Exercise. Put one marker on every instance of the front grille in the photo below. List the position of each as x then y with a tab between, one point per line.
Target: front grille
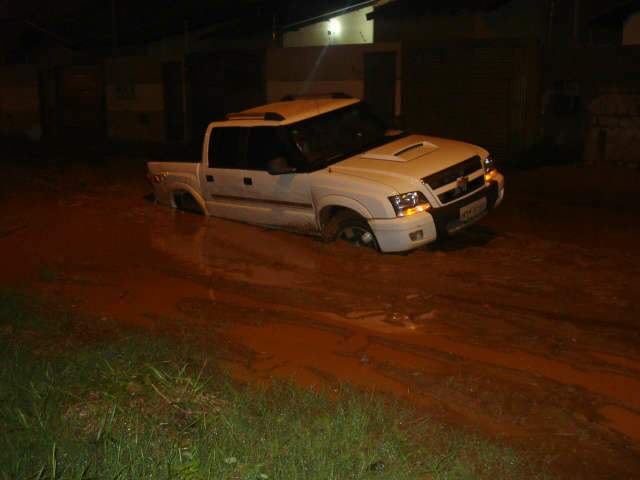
447	218
457	192
451	174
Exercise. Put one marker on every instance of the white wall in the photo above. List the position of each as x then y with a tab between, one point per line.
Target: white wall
631	31
312	70
354	29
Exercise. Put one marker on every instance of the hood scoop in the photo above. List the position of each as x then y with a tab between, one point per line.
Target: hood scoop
404	154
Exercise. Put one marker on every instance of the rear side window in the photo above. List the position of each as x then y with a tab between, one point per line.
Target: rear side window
227	147
264	146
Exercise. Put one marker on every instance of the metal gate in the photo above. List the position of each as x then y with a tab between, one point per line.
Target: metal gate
473	91
224	82
380	83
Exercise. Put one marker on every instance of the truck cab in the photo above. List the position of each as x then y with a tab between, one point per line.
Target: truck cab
328	166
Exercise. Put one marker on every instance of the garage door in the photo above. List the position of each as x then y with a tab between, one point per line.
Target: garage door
471	91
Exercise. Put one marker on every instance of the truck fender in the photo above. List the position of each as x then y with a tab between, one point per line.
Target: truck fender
340	201
179	186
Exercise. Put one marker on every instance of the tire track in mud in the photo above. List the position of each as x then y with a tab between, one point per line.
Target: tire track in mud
507	357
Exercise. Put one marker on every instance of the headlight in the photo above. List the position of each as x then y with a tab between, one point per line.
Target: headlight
488	165
409	203
489	169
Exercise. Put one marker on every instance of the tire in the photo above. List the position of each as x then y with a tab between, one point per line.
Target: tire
352	228
185	201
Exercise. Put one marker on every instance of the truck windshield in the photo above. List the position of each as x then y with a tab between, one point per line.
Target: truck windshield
326	139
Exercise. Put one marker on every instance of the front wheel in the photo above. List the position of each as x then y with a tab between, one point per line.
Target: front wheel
351	228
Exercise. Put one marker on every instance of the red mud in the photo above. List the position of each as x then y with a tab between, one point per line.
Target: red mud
524	328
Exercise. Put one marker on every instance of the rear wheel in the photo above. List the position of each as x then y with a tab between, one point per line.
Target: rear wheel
185	201
352	228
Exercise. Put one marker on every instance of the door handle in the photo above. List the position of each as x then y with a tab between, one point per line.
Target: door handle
248	181
209	178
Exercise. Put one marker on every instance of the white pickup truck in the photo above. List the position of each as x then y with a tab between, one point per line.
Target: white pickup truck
327	166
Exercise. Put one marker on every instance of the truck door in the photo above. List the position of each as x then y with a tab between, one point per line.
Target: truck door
225	172
275	200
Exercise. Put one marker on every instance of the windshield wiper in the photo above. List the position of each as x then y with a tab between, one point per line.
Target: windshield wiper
325	162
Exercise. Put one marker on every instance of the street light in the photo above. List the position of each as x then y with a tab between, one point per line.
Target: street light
334	27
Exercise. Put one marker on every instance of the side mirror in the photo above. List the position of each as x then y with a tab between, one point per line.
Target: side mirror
280	170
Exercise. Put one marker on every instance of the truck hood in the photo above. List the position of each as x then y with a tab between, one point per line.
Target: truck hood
401	162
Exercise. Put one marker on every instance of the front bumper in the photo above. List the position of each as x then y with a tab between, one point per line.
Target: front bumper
447	218
402	233
394	234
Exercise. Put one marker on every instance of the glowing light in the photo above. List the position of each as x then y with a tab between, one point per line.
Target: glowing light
335	27
489	176
414	210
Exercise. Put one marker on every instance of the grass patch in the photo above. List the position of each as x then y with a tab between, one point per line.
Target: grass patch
146	408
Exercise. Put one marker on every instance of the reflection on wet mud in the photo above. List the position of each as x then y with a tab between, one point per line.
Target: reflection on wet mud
206	246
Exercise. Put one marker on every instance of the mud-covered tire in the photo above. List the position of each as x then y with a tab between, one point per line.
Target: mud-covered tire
185	201
352	228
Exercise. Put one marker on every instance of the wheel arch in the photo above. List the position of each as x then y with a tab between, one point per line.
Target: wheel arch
179	188
330	205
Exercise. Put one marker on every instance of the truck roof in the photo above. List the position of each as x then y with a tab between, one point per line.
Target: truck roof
285	112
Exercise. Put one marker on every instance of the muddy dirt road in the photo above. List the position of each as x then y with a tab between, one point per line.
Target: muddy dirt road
523	328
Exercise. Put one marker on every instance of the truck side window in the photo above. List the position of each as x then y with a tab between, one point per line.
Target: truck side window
227	147
265	147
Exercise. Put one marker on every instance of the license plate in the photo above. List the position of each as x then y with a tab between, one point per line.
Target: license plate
473	209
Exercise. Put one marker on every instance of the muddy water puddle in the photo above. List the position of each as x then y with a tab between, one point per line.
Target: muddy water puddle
514	336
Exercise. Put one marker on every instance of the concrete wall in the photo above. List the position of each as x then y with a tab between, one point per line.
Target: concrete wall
135	99
311	70
19	102
352	28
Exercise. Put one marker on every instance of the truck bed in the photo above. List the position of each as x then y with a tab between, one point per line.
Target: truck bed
188	168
